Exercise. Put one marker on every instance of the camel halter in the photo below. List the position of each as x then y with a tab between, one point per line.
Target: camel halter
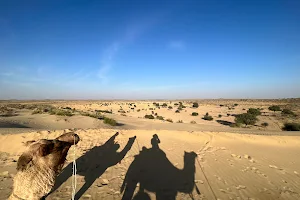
74	183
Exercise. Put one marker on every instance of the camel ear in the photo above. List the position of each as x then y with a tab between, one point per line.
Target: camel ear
23	161
29	142
45	149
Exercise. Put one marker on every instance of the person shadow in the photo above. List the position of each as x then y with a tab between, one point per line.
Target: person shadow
93	163
155	173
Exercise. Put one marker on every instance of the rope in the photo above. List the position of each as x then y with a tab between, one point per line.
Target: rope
74	183
207	180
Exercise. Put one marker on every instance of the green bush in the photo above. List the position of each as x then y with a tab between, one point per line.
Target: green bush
149	116
193	122
110	121
176	104
160	117
264	124
235	104
195	105
63	112
170	107
288	112
246	118
179	121
164	105
195	114
207	117
254	111
169	120
274	108
291	127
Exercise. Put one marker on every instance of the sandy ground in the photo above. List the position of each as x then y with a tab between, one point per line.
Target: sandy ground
240	163
237	166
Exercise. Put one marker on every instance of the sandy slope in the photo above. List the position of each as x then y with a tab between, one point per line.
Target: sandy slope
237	166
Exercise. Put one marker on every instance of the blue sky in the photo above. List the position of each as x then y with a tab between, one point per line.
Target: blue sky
149	49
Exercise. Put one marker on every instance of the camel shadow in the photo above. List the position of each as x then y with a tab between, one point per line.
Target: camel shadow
155	173
93	163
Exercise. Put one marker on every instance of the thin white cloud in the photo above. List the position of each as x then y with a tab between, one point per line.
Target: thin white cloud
177	45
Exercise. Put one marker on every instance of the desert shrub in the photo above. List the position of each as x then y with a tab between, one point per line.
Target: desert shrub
164	105
219	116
183	106
195	114
264	124
36	111
152	112
235	104
160	117
254	111
288	112
149	116
170	107
179	108
228	114
176	104
274	108
104	111
150	108
193	122
195	105
110	121
221	105
169	120
207	117
177	111
122	114
291	127
63	112
179	121
138	110
244	108
68	108
245	118
155	114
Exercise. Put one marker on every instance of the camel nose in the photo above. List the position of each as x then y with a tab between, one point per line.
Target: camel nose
76	138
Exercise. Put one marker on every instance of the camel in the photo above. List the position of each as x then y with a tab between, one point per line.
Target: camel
39	165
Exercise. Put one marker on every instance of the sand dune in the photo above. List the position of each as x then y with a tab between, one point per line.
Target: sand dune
237	166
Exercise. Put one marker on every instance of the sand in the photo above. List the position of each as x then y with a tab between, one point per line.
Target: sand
237	166
231	163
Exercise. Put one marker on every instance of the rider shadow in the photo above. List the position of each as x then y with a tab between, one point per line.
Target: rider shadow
155	173
93	163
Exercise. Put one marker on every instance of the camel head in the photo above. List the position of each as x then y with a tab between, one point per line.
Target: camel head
47	153
189	157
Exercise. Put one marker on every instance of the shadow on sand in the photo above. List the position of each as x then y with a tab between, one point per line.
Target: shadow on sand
223	122
155	173
93	163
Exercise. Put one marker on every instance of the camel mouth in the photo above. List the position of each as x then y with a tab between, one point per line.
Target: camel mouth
70	137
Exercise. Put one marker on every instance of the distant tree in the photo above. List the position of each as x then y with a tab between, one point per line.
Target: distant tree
288	112
207	117
195	105
274	108
254	111
291	127
246	118
164	105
